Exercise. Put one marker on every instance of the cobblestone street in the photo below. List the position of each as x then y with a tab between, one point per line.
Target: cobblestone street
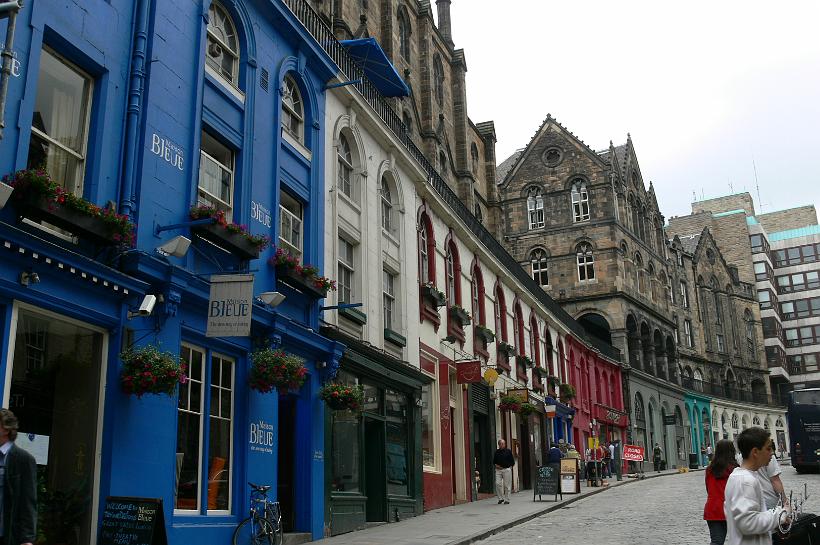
661	511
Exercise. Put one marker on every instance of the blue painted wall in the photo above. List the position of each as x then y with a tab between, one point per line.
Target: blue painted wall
172	98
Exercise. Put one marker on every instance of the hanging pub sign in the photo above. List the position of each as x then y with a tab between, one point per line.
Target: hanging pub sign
669	420
230	305
522	393
468	371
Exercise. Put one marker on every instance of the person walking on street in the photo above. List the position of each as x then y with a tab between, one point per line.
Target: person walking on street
717	474
611	458
709	452
504	461
657	456
554	455
18	479
702	455
748	522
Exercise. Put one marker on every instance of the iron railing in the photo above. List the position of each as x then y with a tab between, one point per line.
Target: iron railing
351	71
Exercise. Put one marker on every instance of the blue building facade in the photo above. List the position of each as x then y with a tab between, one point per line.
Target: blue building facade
152	108
698	407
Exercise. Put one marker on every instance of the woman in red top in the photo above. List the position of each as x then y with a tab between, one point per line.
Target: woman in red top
722	465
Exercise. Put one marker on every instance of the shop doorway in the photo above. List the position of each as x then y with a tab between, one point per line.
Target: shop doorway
526	458
483	451
286	467
55	391
375	476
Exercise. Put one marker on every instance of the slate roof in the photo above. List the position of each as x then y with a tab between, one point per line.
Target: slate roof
505	167
690	243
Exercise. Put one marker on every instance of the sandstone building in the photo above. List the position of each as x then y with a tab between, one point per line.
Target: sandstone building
590	232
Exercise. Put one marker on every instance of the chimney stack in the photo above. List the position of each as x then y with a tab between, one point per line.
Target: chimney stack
444	20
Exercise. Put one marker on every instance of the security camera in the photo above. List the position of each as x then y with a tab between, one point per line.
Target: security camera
145	308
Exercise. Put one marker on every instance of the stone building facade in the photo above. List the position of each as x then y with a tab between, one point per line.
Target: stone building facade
587	228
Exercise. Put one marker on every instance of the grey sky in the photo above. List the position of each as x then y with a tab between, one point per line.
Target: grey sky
704	88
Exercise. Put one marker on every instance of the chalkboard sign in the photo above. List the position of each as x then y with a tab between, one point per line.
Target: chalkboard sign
132	521
547	481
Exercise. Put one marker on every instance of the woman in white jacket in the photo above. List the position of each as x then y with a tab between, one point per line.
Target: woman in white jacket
747	519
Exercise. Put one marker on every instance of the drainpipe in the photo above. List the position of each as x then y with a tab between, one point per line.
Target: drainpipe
134	107
12	8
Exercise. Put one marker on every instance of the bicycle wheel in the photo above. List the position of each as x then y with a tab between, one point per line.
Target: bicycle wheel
258	533
274	517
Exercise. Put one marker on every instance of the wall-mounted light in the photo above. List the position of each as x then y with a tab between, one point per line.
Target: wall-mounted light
5	193
272	298
29	277
176	247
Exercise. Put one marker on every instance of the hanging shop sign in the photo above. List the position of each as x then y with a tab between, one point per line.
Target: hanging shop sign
610	415
230	305
523	393
491	375
468	372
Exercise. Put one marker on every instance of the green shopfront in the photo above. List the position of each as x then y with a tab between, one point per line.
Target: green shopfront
374	468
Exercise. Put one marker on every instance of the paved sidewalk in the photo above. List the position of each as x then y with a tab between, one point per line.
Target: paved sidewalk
469	522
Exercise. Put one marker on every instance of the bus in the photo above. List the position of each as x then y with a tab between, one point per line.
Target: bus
804	428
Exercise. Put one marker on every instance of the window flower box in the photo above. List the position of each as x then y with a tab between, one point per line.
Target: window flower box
394	337
354	315
484	333
432	294
230	237
304	278
521	359
459	315
541	372
552	381
506	348
37	197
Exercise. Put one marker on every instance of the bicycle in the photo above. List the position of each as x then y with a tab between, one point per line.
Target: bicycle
264	525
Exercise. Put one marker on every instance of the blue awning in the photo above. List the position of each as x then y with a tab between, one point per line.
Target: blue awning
377	67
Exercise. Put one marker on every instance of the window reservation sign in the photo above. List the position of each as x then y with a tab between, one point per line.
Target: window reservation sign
230	305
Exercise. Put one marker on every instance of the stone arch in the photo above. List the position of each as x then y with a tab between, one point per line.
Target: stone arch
646	345
729	383
633	341
744	422
660	354
672	360
597	326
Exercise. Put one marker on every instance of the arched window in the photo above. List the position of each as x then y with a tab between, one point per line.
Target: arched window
293	110
345	165
538	264
477	213
442	163
518	336
586	262
222	53
453	272
474	157
404	34
580	201
535	344
386	205
438	79
748	320
500	311
427	251
408	122
548	343
639	273
477	295
535	208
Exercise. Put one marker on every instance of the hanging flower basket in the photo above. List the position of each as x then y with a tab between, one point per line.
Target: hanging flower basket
432	294
304	278
37	197
146	370
342	397
276	369
567	392
541	372
526	409
510	403
552	381
229	236
484	333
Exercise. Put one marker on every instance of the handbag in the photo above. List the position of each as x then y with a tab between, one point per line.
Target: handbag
805	531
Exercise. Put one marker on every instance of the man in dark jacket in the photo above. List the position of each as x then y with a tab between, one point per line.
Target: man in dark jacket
503	460
19	481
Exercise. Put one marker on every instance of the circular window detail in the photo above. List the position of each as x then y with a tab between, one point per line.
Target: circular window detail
552	157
